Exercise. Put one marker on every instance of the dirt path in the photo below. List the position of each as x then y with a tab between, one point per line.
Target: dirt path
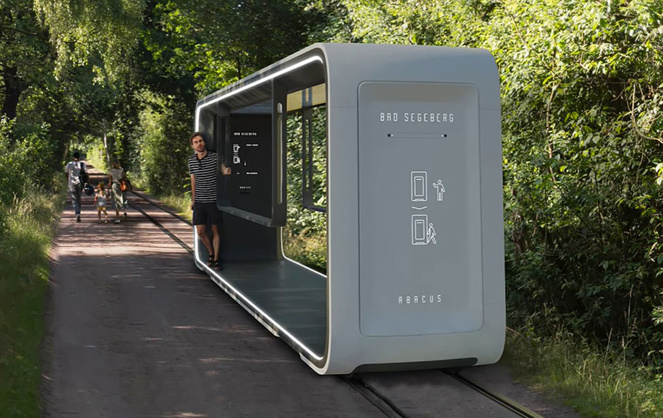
137	331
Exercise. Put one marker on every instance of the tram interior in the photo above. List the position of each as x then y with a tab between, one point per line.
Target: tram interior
274	235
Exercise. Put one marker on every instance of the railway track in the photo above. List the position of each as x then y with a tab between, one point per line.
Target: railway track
364	386
498	398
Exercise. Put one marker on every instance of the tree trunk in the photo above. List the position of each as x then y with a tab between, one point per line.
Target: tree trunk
12	91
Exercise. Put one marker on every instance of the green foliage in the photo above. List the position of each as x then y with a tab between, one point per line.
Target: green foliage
328	21
23	50
163	132
180	202
222	41
12	177
38	154
100	33
582	206
307	248
24	271
422	22
305	235
30	173
95	154
594	384
27	159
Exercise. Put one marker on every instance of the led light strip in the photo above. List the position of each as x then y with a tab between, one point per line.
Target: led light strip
251	304
248	86
195	234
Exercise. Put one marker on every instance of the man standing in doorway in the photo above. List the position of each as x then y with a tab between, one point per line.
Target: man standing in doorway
202	168
74	171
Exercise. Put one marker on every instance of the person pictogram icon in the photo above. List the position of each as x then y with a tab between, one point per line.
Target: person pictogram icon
430	236
440	190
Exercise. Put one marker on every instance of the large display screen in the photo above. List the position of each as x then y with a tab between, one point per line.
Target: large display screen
419	209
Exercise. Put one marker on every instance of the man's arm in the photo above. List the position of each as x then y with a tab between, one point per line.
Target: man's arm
193	190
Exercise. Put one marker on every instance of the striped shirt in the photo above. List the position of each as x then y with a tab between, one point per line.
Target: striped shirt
205	175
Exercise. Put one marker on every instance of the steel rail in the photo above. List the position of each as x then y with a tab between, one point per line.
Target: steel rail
158	224
380	401
502	400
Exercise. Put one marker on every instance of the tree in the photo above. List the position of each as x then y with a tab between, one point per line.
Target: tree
222	41
23	51
99	33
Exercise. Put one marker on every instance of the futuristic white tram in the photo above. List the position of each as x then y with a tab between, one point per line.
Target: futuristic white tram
413	201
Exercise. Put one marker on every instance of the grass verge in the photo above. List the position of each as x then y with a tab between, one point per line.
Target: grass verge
310	250
594	384
24	274
180	204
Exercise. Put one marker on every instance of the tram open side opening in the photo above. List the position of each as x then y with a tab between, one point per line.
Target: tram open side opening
274	235
304	237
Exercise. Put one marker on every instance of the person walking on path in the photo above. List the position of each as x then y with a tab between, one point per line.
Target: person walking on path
75	171
100	201
119	197
202	168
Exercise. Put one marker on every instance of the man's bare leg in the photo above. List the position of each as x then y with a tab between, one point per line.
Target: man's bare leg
201	229
217	241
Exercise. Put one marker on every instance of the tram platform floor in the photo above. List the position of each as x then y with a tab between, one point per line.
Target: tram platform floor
290	294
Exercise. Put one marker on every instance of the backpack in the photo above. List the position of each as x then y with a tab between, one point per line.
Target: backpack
83	176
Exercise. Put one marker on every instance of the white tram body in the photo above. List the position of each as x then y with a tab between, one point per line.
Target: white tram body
415	253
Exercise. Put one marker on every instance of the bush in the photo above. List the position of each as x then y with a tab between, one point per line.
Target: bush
27	159
164	134
305	234
12	177
37	154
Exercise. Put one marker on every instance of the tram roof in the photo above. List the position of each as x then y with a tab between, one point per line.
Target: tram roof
341	63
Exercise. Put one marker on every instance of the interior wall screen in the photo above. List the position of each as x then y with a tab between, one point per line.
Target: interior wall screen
250	157
419	209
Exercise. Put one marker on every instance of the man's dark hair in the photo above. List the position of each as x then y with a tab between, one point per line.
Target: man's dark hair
77	155
195	134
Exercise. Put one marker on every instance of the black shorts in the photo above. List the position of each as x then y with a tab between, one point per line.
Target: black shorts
202	212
